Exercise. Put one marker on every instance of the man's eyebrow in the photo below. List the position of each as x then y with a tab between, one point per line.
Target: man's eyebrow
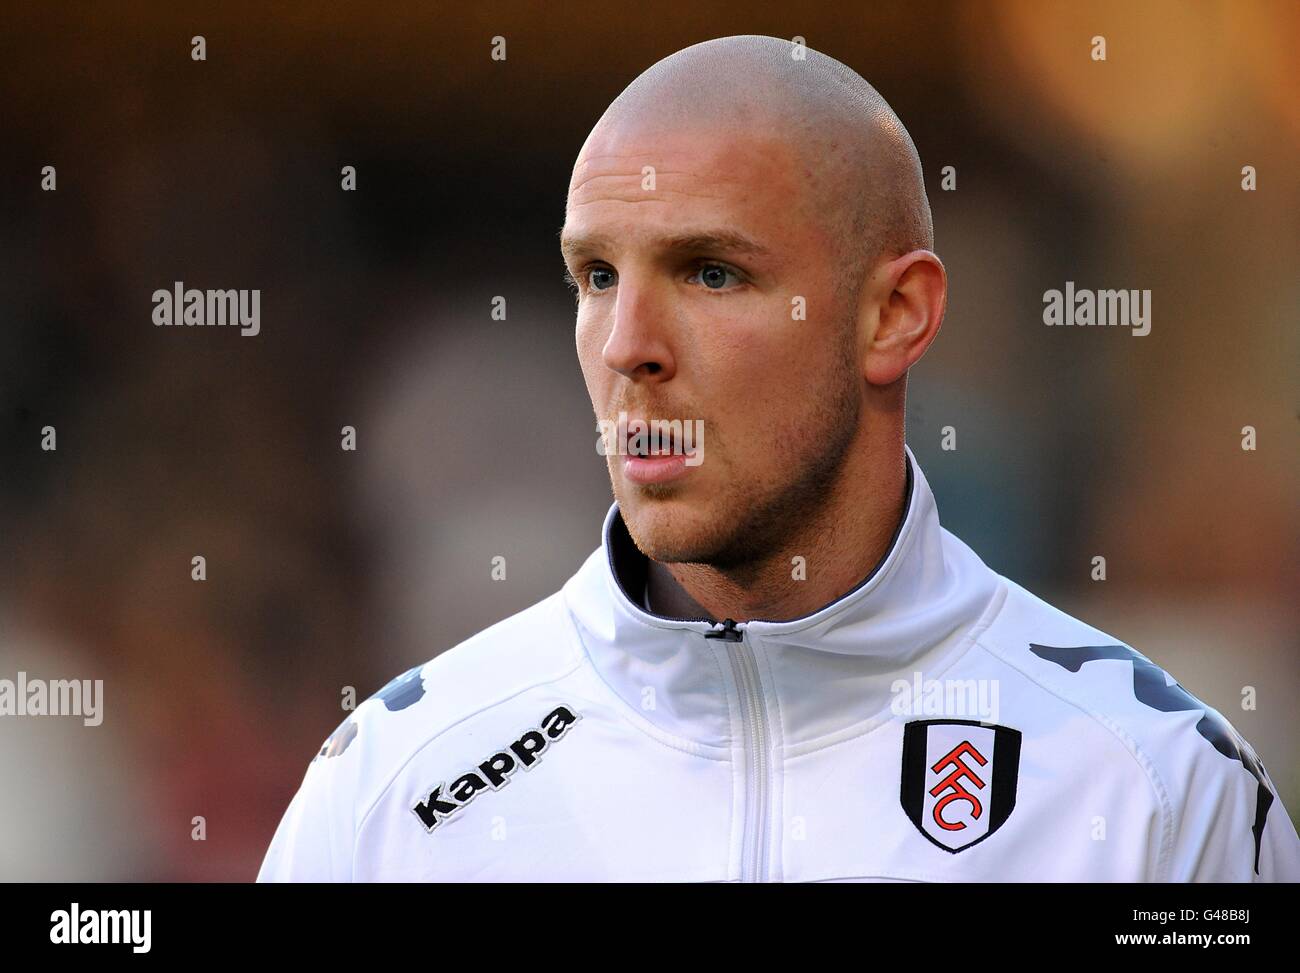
705	241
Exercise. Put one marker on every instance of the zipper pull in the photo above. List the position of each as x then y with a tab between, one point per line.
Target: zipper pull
727	631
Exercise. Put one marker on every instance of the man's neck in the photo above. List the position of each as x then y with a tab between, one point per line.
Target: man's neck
839	547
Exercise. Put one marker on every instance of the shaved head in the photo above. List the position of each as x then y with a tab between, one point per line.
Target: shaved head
861	173
750	241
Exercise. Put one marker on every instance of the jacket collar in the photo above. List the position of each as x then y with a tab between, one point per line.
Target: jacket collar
820	674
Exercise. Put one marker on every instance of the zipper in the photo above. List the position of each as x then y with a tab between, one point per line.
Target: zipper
726	630
757	748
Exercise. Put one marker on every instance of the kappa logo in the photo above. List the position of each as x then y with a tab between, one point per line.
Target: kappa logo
494	772
959	779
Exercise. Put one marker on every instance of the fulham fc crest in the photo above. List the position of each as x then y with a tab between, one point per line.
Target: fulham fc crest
959	779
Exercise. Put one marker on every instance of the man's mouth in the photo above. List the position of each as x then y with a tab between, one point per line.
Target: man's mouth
654	452
655	442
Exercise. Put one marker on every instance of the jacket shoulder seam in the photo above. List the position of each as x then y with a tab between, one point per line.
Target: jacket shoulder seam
397	772
1126	739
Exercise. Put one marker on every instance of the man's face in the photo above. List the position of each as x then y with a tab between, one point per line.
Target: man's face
756	340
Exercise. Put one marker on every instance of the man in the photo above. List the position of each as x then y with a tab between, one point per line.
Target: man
723	691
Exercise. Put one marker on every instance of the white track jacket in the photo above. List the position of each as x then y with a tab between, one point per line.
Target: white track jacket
938	723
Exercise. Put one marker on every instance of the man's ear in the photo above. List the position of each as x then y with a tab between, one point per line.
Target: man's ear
907	297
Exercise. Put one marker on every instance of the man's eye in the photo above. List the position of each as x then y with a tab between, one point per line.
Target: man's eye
600	278
714	276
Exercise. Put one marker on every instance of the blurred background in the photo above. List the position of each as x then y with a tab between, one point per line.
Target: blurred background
329	568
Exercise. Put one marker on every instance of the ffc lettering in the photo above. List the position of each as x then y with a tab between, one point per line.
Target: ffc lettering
953	780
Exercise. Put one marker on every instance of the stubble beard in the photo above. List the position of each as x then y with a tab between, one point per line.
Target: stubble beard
752	528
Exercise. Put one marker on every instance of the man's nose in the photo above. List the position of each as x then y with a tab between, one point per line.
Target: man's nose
639	342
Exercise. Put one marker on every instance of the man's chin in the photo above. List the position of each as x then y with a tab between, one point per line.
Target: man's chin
669	527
